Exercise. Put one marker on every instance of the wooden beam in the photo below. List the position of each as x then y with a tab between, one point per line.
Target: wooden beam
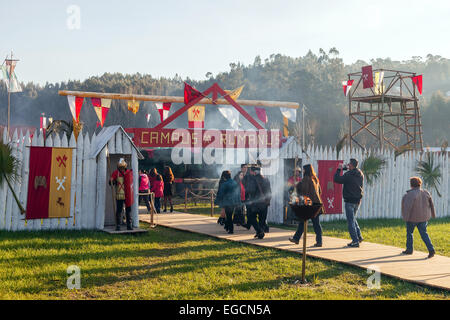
174	99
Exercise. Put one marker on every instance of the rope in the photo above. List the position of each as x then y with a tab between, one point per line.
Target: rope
205	197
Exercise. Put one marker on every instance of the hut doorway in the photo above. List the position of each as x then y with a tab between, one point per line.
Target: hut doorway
113	159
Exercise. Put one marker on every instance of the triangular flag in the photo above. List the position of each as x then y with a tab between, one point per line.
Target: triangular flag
163	109
346	85
75	104
196	117
417	80
232	115
98	124
289	113
133	106
234	94
261	113
190	93
379	87
101	107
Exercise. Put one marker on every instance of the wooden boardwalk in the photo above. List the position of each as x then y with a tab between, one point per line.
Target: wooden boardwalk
388	260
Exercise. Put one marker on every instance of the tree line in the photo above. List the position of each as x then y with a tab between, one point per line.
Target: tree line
313	80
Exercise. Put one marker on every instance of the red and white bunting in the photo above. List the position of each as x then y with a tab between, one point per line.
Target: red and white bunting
163	109
101	107
346	85
75	104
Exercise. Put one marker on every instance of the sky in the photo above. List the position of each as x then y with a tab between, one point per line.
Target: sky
60	40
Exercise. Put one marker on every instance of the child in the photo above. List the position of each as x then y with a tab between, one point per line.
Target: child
158	189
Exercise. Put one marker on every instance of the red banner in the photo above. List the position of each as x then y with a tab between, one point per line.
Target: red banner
331	192
367	77
39	182
189	138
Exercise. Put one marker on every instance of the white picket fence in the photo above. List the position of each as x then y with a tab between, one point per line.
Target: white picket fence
383	198
88	187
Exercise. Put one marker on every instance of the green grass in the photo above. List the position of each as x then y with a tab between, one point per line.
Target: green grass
170	264
384	231
392	232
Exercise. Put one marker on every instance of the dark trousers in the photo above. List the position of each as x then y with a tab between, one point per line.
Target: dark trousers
119	205
252	213
262	217
239	218
317	229
158	204
229	218
145	198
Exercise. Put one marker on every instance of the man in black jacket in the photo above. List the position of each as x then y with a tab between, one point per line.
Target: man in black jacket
258	191
353	182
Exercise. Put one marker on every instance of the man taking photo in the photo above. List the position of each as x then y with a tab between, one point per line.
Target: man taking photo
353	181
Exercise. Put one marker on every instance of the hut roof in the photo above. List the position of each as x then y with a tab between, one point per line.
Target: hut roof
105	135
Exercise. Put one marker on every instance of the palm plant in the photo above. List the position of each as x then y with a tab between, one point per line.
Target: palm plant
340	145
431	175
9	166
371	167
60	126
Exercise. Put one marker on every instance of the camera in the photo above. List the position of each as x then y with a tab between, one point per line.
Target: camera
344	168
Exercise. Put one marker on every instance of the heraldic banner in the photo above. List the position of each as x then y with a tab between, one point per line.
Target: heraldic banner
331	192
49	183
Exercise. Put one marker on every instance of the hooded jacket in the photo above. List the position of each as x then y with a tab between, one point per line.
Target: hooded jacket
353	181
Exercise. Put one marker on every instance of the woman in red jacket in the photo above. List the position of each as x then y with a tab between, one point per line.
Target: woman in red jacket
158	190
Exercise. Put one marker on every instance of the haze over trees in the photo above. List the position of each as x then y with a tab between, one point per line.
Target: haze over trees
313	80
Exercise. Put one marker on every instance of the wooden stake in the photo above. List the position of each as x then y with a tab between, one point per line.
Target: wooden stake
305	229
185	198
212	203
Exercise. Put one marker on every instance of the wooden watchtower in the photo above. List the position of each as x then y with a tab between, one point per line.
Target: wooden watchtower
386	114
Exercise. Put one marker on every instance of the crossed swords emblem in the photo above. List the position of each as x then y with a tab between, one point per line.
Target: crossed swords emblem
330	202
61	183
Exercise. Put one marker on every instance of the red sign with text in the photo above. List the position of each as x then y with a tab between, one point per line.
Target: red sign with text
189	138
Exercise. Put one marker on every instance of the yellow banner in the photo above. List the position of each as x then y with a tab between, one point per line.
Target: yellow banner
196	113
285	127
378	82
60	181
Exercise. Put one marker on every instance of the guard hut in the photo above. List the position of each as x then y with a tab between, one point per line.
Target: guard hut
111	144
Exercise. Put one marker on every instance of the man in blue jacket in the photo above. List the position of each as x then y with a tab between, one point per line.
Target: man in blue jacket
353	181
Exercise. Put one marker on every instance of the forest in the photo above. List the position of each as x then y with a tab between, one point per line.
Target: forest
313	80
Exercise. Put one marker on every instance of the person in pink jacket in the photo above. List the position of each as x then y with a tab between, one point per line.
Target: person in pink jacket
417	209
157	187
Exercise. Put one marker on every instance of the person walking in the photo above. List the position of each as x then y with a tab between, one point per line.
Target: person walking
158	189
353	181
239	214
228	198
168	179
310	188
259	195
144	188
417	209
